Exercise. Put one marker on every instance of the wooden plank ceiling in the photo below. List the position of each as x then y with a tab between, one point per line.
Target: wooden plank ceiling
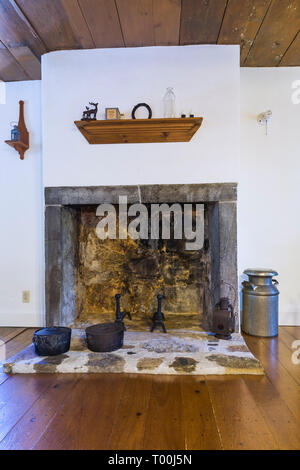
268	31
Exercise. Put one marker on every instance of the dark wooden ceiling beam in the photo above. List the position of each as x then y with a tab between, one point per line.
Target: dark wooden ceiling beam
103	22
28	61
166	22
241	23
267	30
27	22
10	70
150	22
201	21
78	23
56	23
15	30
291	56
136	18
278	30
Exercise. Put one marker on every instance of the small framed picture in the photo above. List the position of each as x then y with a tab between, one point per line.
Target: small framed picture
112	113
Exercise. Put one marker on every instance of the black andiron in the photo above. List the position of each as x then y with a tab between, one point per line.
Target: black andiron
158	318
120	315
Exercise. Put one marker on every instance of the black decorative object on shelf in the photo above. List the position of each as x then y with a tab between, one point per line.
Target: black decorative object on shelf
120	315
141	105
90	114
158	318
52	341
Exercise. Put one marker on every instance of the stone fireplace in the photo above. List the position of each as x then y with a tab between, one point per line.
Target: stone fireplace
84	273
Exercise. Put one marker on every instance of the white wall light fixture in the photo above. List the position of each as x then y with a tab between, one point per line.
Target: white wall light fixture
264	118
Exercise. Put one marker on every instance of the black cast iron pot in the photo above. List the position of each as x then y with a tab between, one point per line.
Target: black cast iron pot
105	337
52	341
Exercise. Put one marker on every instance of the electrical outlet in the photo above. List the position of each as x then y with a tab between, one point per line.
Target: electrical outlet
26	296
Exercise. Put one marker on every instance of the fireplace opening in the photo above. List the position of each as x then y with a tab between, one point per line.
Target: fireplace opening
139	270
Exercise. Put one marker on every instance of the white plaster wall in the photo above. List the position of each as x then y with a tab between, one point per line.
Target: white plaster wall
21	209
205	81
269	183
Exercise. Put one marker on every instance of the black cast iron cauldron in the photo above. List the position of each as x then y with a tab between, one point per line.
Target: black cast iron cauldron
105	337
52	341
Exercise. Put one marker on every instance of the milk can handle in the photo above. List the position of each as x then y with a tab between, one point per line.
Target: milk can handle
249	284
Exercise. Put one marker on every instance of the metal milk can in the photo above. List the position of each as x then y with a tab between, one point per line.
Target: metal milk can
260	303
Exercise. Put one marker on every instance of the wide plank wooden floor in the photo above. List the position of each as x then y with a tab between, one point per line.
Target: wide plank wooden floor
119	411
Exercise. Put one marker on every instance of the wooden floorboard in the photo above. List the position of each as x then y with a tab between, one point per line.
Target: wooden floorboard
3	377
201	430
286	337
15	340
239	420
30	427
283	382
20	342
292	330
8	333
283	354
164	428
85	420
283	425
119	411
17	395
129	426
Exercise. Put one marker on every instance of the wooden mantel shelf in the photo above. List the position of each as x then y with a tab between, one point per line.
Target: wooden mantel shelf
132	131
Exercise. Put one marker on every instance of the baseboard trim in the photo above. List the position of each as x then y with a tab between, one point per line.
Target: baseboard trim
289	319
20	320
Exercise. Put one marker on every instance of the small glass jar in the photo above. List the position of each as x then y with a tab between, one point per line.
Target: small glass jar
14	133
169	103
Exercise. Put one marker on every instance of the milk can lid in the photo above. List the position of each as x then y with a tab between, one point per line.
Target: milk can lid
262	272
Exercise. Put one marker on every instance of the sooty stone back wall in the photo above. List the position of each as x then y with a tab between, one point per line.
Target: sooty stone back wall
139	270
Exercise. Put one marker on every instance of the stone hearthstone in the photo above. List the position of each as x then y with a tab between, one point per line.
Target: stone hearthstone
177	352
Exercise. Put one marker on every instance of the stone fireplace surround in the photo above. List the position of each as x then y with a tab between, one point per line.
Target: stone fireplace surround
61	234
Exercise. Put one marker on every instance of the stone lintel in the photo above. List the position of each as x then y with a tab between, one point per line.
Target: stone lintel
152	193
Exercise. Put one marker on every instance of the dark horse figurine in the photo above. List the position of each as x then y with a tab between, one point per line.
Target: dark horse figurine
90	114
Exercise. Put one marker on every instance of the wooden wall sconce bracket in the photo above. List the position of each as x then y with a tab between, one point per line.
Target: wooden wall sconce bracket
22	144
